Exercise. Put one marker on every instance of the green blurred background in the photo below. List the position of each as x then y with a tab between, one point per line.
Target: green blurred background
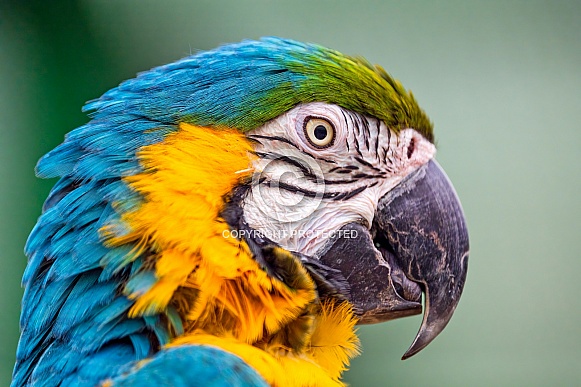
500	79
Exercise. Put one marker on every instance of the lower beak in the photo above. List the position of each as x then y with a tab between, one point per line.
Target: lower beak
418	243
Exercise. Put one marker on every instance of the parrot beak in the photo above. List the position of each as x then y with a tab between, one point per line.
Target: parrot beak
422	224
418	243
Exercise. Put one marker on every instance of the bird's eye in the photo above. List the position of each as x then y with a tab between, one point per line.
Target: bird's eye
319	132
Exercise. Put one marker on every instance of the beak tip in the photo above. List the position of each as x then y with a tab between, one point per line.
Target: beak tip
423	338
414	349
409	353
437	315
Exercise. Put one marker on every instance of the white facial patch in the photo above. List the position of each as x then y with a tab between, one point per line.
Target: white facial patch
302	193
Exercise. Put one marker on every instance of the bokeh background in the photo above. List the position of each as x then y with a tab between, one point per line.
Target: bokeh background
500	79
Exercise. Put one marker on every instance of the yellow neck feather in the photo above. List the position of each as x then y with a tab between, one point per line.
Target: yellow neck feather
221	293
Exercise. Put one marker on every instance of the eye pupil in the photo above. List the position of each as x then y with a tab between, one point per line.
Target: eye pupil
320	132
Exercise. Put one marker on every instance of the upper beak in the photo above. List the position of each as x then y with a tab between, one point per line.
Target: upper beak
423	224
418	243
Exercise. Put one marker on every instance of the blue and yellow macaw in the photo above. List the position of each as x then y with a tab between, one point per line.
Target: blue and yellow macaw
227	220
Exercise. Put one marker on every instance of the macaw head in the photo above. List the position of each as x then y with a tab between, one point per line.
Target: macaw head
261	192
366	209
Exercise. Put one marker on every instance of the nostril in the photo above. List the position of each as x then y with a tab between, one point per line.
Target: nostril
411	148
